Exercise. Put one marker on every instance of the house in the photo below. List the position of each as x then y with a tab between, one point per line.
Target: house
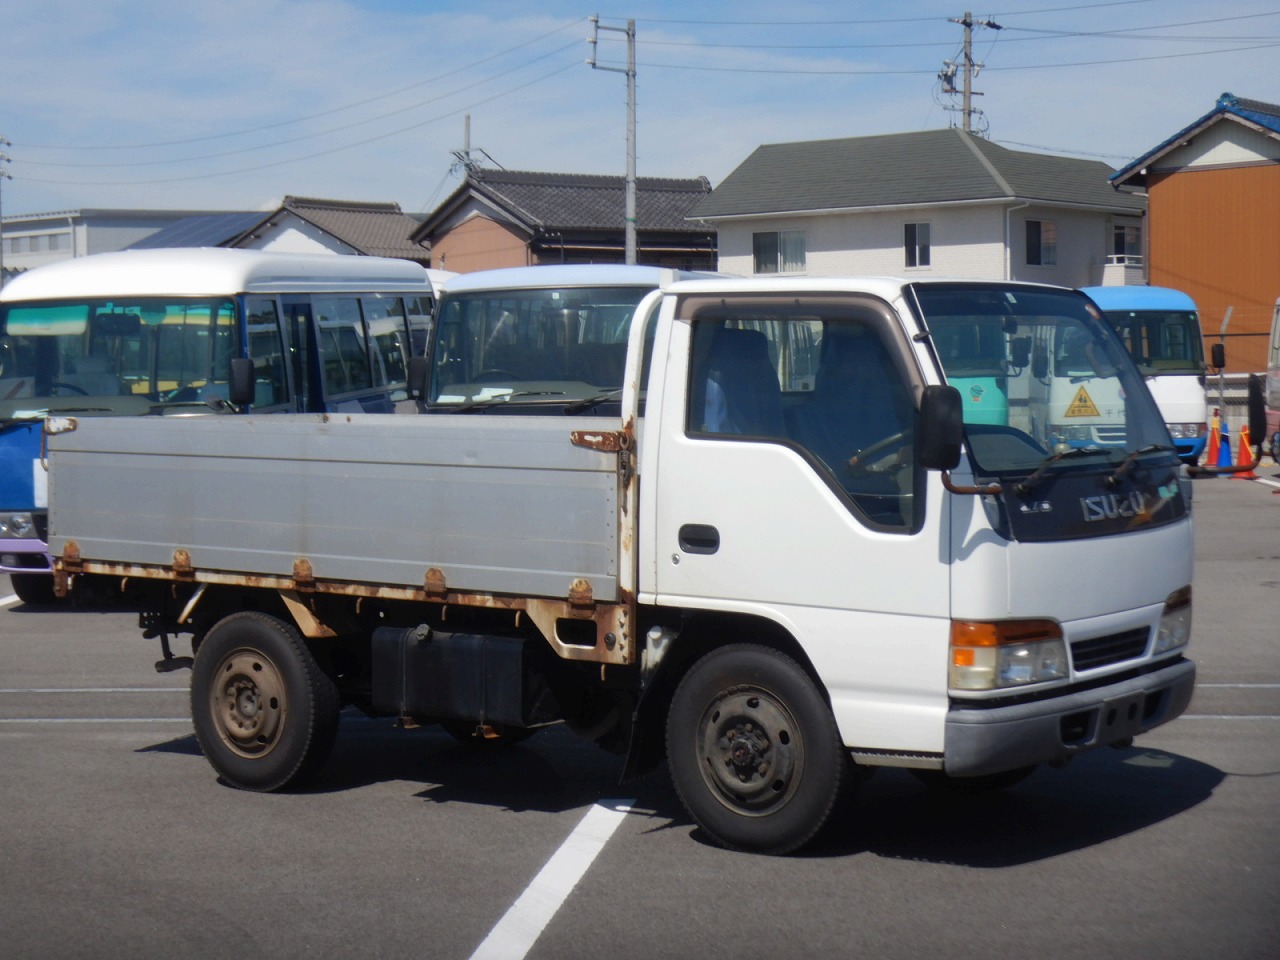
505	218
305	225
1213	221
938	202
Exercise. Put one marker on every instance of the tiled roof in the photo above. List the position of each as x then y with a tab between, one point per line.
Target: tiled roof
928	167
1264	115
375	229
567	201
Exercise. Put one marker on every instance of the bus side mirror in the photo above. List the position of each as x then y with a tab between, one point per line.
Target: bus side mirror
419	369
1040	365
1020	351
1217	356
941	428
241	388
1257	409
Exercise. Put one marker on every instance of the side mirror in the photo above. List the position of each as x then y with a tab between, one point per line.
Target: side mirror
1217	356
419	370
1020	351
241	388
1040	365
941	428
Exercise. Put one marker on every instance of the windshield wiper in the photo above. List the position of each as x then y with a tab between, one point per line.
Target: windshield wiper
588	403
503	398
1128	462
1024	487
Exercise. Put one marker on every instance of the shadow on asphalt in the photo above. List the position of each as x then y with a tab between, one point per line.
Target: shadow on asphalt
1100	796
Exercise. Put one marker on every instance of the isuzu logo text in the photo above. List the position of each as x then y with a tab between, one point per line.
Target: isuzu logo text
1112	506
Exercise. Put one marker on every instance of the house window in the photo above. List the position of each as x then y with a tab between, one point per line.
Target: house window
915	244
1042	243
1126	244
781	251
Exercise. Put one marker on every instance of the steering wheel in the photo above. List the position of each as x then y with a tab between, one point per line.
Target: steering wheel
492	375
81	391
869	460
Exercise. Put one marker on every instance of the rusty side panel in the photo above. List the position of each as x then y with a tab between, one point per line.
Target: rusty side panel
614	643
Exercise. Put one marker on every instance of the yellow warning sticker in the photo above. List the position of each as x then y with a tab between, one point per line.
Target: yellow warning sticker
1082	405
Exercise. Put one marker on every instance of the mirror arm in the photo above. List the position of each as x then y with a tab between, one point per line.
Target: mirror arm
988	489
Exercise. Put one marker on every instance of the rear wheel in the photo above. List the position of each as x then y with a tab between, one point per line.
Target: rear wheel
754	751
33	587
264	712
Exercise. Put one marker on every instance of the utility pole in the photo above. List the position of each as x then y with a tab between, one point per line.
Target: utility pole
630	71
971	68
4	175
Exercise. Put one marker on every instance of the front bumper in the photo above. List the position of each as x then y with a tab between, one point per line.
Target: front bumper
24	556
986	740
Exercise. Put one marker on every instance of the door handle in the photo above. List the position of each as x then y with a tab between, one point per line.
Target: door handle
699	538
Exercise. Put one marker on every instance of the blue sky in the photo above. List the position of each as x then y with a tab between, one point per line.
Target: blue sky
232	104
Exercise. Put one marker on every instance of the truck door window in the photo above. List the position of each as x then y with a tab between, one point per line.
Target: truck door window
829	382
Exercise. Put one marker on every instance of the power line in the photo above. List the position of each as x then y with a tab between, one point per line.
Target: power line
323	113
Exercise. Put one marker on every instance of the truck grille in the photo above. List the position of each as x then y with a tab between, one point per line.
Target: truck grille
1113	648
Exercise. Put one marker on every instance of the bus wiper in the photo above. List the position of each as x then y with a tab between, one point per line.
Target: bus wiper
588	403
1024	487
504	398
1127	464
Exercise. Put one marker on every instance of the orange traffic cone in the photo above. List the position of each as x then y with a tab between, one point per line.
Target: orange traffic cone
1215	441
1245	456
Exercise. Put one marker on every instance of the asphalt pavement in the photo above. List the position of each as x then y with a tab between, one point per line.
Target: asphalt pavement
118	841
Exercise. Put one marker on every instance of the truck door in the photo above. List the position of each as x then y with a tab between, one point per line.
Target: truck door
797	498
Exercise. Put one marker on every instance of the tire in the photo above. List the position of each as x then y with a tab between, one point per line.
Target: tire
264	712
34	588
754	751
938	780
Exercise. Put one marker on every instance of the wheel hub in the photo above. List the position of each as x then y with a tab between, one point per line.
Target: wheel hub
751	753
248	703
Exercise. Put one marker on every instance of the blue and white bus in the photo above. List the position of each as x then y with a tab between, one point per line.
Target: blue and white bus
180	331
1161	330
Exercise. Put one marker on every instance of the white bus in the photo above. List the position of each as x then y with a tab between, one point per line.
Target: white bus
192	330
1161	330
1272	388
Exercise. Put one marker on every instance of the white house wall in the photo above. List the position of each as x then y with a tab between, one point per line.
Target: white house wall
295	235
965	242
1225	143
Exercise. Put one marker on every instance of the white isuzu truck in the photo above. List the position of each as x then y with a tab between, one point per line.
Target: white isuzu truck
746	525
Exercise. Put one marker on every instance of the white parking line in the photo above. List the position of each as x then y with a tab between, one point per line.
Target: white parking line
95	720
9	600
521	925
95	689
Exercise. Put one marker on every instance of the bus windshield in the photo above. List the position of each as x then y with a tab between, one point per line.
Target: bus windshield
116	355
554	345
1041	376
1161	342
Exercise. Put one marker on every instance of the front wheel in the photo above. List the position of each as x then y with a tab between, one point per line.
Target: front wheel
33	588
264	712
754	751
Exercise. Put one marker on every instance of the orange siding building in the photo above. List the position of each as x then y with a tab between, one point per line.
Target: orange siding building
1213	221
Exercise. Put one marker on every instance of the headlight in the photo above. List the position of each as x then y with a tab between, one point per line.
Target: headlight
1082	434
1005	653
1186	431
18	526
1175	622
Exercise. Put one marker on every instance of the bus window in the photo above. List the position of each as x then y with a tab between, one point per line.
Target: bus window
344	353
271	386
388	335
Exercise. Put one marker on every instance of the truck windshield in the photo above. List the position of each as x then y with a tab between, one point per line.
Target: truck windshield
531	345
1042	376
113	356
